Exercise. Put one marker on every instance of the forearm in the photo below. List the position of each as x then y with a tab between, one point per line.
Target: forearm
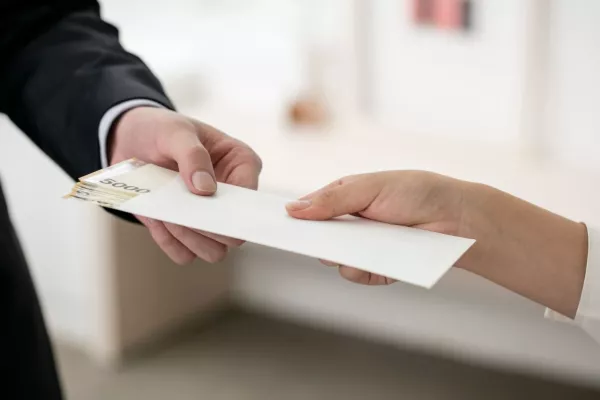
529	250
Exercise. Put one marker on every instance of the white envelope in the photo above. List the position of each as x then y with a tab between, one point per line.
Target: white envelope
406	254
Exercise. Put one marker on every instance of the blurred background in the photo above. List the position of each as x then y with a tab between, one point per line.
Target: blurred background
504	92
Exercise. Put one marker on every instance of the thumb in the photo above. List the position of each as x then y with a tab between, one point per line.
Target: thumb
349	198
194	162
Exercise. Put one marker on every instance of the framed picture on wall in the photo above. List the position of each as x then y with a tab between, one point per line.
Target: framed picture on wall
469	70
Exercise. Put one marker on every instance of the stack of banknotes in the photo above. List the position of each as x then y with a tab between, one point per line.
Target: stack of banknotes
107	188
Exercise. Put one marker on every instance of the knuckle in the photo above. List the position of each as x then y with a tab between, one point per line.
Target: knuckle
258	162
342	180
242	153
246	155
327	197
176	230
160	240
185	127
163	238
167	242
347	179
195	152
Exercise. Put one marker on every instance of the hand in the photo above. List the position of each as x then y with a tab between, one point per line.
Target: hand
412	198
202	155
526	249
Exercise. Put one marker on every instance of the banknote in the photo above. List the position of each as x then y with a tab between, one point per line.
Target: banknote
83	191
112	186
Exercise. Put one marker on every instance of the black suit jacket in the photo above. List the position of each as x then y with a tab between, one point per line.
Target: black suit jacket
61	68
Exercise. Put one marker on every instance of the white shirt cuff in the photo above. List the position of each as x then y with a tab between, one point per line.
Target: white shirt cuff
109	118
588	312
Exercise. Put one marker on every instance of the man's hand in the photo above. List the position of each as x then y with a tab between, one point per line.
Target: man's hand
203	156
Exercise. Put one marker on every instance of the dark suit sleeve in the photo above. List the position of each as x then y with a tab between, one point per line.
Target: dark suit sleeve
61	68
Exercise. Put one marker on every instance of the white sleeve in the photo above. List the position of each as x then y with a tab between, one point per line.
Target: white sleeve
588	313
109	118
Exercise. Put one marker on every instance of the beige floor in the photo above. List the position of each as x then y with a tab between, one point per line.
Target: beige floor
247	357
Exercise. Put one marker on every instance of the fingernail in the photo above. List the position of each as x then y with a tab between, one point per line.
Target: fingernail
204	182
298	205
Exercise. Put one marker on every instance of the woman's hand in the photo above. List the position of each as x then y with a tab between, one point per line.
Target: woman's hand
412	198
520	246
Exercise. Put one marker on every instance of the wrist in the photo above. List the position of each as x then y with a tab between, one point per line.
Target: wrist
477	222
527	249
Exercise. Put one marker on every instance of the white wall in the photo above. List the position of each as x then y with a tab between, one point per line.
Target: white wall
516	78
248	57
467	85
574	110
239	55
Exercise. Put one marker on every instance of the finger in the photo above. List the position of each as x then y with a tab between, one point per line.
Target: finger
203	247
193	160
227	241
329	263
332	185
173	248
354	275
344	199
245	175
363	277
